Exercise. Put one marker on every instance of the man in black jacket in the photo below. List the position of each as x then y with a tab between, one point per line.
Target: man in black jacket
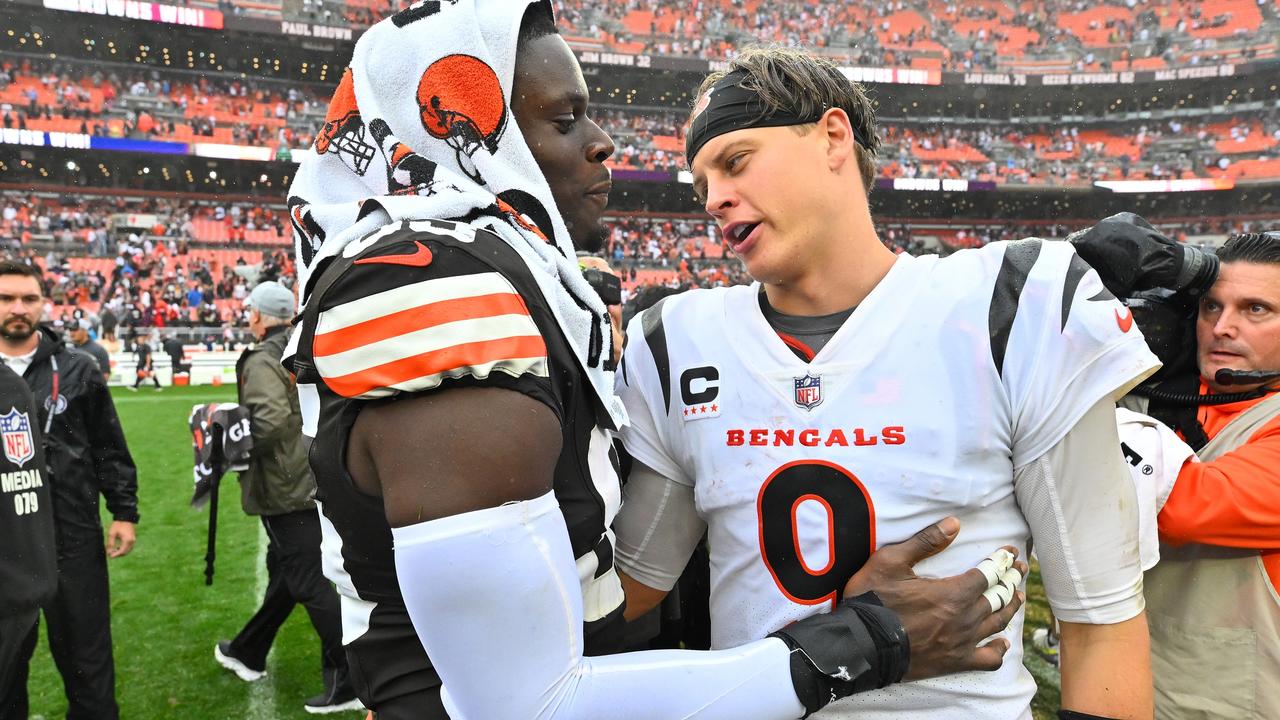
28	565
87	456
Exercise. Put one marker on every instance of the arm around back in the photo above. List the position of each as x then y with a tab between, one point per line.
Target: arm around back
484	565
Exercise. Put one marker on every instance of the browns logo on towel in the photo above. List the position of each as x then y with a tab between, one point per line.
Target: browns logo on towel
461	102
343	129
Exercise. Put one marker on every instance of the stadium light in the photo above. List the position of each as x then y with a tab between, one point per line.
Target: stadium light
71	164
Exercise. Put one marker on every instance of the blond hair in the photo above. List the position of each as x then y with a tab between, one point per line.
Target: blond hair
794	81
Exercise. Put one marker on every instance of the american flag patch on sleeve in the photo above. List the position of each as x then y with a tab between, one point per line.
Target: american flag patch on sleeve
413	337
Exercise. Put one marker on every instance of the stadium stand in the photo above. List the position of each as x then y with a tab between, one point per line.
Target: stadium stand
224	108
931	34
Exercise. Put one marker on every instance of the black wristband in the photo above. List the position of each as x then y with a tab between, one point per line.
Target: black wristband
1073	715
890	636
859	646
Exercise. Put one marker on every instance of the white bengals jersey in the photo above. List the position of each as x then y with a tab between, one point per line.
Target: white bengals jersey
950	375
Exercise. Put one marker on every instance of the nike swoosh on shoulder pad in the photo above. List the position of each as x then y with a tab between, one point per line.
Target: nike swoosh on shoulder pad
421	257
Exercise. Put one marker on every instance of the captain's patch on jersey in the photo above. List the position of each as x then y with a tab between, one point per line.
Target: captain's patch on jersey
414	336
700	392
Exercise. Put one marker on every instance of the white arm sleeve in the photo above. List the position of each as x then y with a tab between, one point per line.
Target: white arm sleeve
495	599
1155	455
657	528
1081	505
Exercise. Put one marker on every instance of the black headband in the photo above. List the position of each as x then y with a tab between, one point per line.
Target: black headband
728	106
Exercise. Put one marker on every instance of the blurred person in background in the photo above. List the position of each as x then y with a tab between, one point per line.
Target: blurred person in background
82	342
145	365
176	350
87	457
278	487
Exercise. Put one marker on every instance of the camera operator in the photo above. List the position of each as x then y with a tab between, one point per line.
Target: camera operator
1212	600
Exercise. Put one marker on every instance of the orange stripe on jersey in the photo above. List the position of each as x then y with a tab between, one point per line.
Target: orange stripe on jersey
436	362
418	318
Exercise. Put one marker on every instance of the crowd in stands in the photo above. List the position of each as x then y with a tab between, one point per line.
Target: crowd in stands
189	267
151	105
944	34
148	104
85	222
980	35
152	285
1240	146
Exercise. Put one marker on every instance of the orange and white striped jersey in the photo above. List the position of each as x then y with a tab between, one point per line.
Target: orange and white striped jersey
413	337
426	306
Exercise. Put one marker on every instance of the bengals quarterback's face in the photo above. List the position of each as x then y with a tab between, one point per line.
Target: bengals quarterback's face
550	106
766	189
21	306
1239	322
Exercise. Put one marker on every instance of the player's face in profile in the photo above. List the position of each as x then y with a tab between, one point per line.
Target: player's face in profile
550	106
762	186
21	305
1239	323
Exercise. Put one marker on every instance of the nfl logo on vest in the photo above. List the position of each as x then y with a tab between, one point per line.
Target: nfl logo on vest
18	444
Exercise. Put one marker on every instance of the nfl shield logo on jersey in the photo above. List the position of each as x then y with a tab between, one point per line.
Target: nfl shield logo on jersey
16	431
809	391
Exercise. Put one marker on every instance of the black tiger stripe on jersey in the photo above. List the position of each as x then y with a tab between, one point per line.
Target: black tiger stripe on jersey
655	336
1103	295
1075	273
1019	258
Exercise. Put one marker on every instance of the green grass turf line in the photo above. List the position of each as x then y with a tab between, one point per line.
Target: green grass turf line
165	621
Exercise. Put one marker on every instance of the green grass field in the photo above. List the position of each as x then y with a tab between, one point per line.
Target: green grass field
165	620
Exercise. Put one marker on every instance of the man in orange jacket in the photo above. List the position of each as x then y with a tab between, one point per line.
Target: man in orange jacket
1212	601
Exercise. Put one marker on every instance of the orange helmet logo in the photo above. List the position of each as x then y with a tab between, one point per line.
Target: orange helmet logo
343	127
461	102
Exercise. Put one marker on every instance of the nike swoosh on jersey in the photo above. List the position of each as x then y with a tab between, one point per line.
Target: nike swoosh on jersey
1124	321
415	336
420	257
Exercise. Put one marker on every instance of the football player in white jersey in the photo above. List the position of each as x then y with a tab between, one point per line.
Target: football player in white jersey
851	396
